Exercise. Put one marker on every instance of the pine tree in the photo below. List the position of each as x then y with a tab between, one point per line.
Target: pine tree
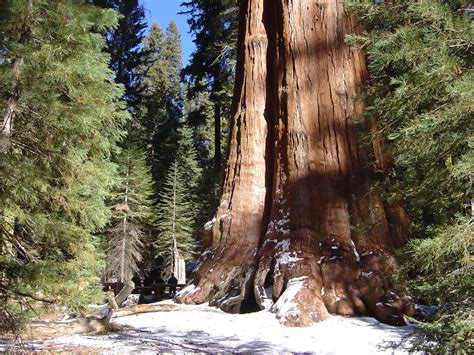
210	77
133	217
175	216
420	63
178	207
187	157
162	99
172	55
214	24
202	138
61	124
124	44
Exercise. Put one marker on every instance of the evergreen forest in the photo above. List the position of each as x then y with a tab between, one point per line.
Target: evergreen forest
118	162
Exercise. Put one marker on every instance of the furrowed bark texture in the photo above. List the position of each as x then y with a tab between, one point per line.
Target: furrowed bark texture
299	228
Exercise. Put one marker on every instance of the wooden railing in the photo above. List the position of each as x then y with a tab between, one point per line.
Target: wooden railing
159	290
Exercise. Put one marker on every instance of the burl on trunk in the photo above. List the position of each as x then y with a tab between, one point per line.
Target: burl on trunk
300	228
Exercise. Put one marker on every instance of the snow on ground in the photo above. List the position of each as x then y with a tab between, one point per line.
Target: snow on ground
205	329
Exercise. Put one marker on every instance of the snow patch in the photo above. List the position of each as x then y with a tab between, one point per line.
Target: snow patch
366	274
279	199
269	241
189	290
224	201
282	222
288	258
283	245
268	298
206	254
355	251
278	226
200	328
209	224
285	306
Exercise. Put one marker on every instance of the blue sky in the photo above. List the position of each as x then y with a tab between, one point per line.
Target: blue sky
163	11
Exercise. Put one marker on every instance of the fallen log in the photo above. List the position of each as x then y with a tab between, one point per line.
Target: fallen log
92	323
143	308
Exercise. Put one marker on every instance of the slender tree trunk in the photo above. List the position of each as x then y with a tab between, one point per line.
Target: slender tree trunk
472	211
299	228
9	114
125	234
122	256
175	247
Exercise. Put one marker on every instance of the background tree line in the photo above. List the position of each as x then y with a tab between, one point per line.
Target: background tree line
108	157
176	135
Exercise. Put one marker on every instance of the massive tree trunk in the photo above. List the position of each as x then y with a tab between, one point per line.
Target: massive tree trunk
300	228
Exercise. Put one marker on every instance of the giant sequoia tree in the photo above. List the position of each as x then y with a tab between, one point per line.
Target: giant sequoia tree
300	226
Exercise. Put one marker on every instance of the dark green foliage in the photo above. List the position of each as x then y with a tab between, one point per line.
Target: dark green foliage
171	54
209	190
131	224
124	45
214	24
210	77
175	218
162	101
178	206
445	267
187	159
162	74
421	89
56	172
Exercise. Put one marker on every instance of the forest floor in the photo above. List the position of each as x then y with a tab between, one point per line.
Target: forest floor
205	329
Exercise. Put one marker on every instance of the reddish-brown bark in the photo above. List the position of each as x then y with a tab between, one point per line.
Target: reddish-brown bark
299	227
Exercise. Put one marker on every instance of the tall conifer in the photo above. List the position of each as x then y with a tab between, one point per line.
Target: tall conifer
421	88
133	217
214	24
178	205
56	172
162	100
175	216
124	45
